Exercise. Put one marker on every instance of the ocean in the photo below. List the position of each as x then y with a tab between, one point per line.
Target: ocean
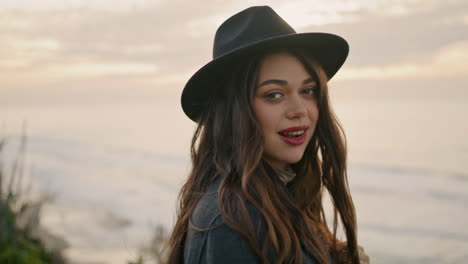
113	172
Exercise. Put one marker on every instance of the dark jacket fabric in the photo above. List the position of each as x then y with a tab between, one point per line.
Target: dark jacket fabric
220	243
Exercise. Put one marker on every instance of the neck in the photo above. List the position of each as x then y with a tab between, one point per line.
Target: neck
277	164
286	174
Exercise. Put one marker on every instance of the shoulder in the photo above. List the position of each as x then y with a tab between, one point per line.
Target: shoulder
209	239
206	213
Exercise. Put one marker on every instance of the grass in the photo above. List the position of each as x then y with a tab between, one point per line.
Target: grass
17	244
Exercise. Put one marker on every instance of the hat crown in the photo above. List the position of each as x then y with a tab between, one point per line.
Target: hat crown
251	25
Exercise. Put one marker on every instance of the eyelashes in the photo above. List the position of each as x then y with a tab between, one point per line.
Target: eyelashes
274	95
311	91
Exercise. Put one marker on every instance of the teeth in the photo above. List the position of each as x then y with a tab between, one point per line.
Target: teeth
293	134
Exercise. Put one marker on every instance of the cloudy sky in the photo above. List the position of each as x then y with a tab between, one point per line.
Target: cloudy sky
57	51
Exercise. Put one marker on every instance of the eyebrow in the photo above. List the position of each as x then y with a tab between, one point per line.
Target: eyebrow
283	82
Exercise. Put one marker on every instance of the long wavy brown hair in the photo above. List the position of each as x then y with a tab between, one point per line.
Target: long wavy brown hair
228	143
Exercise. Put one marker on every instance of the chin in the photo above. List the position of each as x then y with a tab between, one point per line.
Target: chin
294	157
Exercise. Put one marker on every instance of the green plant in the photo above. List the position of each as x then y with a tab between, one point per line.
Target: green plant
17	246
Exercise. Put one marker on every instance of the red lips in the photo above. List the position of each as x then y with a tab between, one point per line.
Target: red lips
294	140
294	128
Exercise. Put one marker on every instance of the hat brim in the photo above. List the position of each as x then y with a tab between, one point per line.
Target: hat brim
329	50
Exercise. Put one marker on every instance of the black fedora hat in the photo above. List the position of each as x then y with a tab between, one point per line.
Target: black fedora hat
251	30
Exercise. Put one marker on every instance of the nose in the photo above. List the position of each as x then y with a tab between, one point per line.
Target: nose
296	108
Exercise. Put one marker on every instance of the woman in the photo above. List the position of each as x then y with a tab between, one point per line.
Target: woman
266	146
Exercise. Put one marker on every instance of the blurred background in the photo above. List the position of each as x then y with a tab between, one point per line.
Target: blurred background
97	84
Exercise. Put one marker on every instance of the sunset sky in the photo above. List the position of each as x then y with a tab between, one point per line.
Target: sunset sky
57	51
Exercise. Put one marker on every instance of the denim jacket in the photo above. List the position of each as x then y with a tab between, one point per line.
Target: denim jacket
220	243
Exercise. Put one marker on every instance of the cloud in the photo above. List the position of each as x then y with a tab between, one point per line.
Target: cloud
68	55
48	4
90	69
159	44
302	13
146	33
380	37
179	38
449	61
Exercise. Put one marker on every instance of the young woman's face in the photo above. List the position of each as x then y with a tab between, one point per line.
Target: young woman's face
285	105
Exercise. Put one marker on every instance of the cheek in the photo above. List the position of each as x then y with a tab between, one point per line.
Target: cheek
313	112
267	117
265	122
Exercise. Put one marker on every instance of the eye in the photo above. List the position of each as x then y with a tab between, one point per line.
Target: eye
311	91
274	95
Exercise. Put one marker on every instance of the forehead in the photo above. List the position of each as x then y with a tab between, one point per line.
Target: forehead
283	66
